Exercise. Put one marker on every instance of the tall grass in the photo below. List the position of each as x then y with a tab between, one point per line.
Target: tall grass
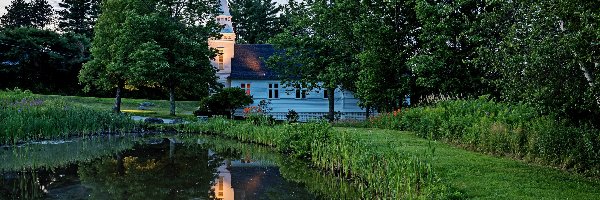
381	175
25	116
514	130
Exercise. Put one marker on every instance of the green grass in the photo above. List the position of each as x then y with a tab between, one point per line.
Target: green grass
480	176
160	108
25	116
378	173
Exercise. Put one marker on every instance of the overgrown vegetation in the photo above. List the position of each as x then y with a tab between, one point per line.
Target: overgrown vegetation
25	116
382	174
514	130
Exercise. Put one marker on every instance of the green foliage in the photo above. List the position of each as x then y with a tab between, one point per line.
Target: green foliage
24	116
78	16
515	130
40	60
128	50
36	13
387	42
226	101
549	58
255	21
318	47
443	66
385	174
292	116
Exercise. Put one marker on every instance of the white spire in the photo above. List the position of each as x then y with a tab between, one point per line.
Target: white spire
224	7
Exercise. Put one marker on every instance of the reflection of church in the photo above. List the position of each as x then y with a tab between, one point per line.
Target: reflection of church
245	179
223	188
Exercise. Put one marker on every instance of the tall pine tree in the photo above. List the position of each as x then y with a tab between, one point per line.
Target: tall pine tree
78	16
16	15
255	21
40	13
37	14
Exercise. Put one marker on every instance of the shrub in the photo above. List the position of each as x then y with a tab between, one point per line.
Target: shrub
224	102
292	116
504	129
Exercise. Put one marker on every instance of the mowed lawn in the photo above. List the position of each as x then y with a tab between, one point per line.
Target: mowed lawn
131	106
480	176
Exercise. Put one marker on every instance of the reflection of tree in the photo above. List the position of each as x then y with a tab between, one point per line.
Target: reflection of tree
32	170
149	172
299	173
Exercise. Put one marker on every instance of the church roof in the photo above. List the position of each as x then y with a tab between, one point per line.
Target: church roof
249	62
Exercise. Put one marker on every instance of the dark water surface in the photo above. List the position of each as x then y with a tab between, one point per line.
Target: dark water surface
157	167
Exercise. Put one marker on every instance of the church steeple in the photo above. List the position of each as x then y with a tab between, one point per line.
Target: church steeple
225	19
224	45
224	7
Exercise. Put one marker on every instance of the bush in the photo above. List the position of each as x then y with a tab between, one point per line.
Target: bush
503	129
224	102
292	116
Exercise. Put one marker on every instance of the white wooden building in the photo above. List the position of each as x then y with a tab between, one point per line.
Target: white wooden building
243	66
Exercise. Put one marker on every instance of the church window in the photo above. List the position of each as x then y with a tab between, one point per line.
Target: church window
273	90
220	59
246	87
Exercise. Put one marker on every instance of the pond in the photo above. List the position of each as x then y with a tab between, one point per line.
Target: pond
159	167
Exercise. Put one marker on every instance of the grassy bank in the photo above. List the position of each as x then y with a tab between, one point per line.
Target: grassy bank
383	174
131	106
512	130
25	116
480	176
379	161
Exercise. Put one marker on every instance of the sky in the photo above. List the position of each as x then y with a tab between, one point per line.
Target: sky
4	3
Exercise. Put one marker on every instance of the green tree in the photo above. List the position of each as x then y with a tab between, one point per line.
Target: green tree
127	49
37	13
549	58
40	60
387	31
178	57
317	49
40	13
78	16
110	65
449	40
255	21
17	15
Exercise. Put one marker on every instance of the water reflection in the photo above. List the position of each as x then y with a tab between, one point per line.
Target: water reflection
162	167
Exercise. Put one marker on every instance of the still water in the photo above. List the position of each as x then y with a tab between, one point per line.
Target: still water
157	167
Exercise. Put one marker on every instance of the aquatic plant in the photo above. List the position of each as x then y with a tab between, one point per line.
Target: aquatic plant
25	116
377	174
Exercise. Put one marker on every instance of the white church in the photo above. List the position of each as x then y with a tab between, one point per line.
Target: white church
243	66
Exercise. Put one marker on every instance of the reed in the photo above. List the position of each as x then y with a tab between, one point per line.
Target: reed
25	116
377	174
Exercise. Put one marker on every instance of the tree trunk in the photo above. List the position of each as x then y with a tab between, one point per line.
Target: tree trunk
589	76
331	99
172	100
368	112
117	106
120	165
